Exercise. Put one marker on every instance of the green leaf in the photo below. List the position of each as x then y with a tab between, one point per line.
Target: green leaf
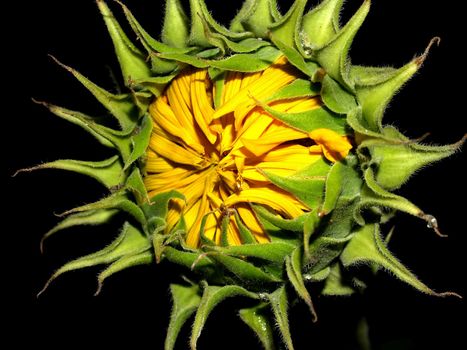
296	59
343	182
308	189
335	97
117	139
186	300
367	75
140	141
375	87
94	217
256	16
375	195
125	262
200	32
155	86
129	242
293	265
367	246
297	88
135	185
132	61
287	29
118	200
294	225
310	225
278	302
396	163
334	186
142	100
175	30
194	261
333	57
309	120
151	44
79	119
120	106
254	62
212	296
205	30
359	125
339	224
323	251
335	284
248	45
243	270
321	23
257	319
194	61
108	172
159	205
217	77
274	251
158	66
319	276
374	98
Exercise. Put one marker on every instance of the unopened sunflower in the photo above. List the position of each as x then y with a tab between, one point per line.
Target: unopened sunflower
254	155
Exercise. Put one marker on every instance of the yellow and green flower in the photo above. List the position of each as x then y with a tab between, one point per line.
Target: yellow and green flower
253	155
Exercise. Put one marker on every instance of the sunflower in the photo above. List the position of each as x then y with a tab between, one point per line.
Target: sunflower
254	156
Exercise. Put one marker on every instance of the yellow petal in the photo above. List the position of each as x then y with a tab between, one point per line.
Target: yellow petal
202	109
335	147
274	198
175	152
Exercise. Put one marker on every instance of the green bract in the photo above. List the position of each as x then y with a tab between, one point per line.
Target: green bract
349	199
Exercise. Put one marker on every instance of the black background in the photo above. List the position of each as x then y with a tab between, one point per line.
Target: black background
134	306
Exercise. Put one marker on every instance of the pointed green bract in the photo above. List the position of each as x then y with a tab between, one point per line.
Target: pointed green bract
120	106
175	30
93	217
307	188
274	251
375	97
367	246
129	242
335	284
336	98
287	29
256	16
321	23
294	273
118	200
257	319
398	162
108	172
333	57
244	271
278	302
105	135
186	300
125	262
132	61
212	296
310	120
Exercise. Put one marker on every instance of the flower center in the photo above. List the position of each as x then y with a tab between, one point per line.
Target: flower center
213	142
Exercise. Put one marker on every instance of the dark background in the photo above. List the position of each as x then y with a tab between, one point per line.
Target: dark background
134	306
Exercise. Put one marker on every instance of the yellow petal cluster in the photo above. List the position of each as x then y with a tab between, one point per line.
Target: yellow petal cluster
217	157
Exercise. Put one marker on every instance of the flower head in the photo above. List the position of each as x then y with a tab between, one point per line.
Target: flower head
254	155
217	147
